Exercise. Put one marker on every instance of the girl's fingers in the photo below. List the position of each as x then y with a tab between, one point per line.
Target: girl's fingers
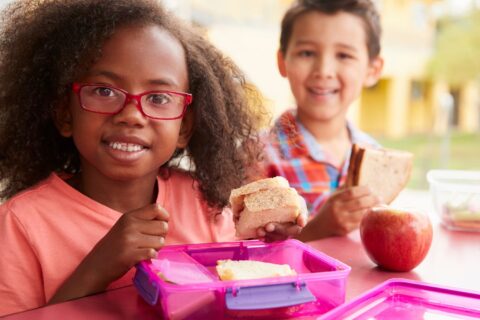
283	230
302	220
145	254
151	212
153	227
150	242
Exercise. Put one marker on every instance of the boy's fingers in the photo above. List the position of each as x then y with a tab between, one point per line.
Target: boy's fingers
354	192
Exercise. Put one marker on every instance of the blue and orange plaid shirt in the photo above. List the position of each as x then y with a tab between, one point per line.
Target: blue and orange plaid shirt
291	151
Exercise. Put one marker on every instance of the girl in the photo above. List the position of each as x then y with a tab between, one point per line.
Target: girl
99	97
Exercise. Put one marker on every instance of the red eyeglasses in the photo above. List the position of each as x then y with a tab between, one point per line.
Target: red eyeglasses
158	105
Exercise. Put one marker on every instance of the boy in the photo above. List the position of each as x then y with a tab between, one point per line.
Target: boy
329	50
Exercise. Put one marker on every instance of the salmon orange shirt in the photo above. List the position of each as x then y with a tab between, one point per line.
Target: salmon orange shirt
47	230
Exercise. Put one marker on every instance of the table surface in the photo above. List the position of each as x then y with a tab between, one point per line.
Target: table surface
453	261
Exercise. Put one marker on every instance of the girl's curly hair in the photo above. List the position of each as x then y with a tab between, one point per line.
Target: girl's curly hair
46	44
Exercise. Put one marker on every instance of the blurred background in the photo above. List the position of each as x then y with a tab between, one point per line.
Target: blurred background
428	99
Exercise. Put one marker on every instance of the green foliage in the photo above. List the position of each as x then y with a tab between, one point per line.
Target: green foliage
458	151
457	56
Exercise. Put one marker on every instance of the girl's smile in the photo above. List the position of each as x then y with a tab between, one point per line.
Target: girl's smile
127	144
125	149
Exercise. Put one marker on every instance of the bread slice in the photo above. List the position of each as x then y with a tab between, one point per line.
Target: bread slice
261	202
237	195
250	269
385	171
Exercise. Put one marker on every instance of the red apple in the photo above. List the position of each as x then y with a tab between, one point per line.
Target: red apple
396	239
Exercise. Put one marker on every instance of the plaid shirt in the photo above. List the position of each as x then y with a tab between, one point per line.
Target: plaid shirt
291	151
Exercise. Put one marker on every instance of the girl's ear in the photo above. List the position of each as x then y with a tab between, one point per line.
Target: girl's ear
186	130
281	64
63	120
374	72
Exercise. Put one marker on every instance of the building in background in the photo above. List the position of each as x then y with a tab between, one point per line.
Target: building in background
405	101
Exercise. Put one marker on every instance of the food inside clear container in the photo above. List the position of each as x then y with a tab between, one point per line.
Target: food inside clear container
182	282
456	198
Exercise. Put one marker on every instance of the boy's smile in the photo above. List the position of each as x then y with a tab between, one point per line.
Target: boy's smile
327	64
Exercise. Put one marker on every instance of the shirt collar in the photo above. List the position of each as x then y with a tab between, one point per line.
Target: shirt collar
296	141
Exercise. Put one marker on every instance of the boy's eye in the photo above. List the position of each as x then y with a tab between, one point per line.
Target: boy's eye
345	56
306	53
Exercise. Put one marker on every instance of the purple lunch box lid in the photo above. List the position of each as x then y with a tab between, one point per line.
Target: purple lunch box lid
405	299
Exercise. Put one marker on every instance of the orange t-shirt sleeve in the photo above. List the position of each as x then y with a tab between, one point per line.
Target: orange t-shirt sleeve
20	272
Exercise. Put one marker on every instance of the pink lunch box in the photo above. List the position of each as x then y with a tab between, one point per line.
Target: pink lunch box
182	282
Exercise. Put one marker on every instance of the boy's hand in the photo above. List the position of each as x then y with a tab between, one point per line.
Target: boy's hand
280	231
340	214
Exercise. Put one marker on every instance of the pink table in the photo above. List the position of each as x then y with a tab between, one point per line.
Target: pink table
453	260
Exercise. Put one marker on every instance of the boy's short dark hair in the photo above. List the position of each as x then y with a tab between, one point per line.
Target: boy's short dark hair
364	9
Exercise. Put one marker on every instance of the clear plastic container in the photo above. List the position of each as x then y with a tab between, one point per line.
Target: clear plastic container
408	299
456	198
182	282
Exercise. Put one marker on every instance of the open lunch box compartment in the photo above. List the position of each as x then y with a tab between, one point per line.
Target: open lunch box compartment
408	299
182	282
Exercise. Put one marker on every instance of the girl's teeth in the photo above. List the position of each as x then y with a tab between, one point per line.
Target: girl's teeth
128	147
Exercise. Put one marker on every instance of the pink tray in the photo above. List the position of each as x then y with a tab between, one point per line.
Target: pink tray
407	299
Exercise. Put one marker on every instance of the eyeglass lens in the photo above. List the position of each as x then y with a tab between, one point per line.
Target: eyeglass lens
111	100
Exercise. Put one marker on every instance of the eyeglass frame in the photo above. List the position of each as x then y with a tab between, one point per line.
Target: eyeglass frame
77	87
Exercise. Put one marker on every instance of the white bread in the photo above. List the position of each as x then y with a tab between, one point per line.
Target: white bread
261	202
385	171
250	269
237	195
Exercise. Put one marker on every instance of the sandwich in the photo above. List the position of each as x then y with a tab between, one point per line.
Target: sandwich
250	269
258	203
385	171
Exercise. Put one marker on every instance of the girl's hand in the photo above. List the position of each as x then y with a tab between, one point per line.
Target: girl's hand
280	231
340	214
136	236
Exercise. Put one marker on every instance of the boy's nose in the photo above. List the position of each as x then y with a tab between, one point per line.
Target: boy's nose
324	67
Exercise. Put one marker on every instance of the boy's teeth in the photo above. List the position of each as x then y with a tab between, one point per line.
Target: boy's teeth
128	147
324	91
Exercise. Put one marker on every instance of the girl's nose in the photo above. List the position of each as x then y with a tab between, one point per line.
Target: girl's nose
131	114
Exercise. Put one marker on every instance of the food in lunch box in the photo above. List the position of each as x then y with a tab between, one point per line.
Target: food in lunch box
385	171
267	200
465	214
251	269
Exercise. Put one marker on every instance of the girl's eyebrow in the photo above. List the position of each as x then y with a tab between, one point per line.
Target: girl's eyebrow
104	73
114	76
